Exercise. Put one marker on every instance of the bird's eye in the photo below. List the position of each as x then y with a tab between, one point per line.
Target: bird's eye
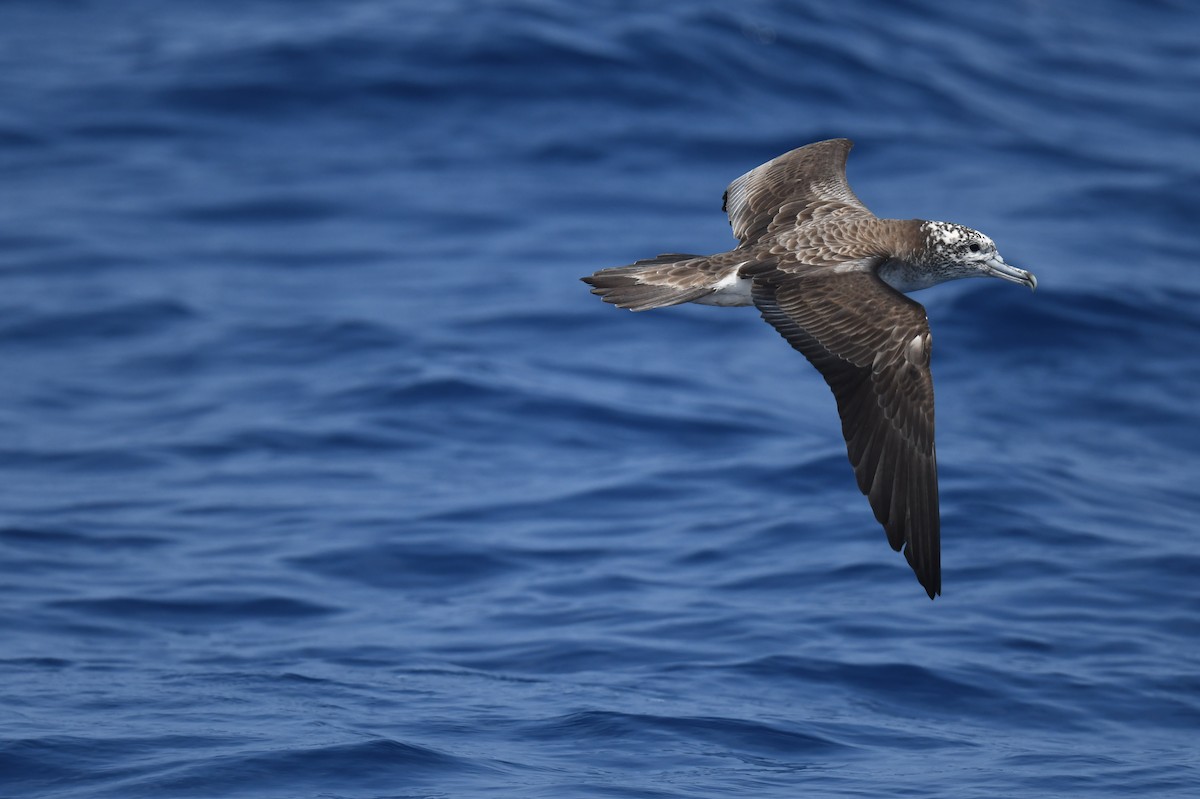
974	247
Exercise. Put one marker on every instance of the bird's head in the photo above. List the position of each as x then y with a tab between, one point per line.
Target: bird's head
959	251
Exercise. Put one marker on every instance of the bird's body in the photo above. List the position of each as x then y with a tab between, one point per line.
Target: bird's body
830	276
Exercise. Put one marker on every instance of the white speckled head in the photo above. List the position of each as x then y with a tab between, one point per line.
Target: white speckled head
955	251
949	243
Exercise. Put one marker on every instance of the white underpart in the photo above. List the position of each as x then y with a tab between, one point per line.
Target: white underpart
729	290
904	278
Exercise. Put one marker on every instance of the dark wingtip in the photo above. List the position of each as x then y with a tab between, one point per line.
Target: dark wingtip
932	583
929	575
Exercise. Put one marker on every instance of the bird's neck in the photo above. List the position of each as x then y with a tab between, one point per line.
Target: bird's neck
906	237
905	268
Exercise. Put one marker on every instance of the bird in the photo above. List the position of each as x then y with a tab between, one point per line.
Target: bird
832	278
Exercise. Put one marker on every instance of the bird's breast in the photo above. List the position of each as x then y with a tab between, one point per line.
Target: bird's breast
905	277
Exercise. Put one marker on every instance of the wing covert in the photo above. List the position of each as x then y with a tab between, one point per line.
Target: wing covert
802	180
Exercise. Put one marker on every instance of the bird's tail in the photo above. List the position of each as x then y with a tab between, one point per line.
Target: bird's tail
669	279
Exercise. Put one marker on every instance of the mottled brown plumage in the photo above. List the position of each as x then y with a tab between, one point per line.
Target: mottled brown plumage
828	275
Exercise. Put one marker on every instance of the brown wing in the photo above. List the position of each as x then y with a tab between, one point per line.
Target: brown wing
872	346
787	190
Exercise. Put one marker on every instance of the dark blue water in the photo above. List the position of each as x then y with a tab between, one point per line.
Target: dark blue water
322	475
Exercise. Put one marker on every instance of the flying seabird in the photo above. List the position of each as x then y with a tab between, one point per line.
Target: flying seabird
831	276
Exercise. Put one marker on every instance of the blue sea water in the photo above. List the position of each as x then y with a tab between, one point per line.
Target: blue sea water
322	475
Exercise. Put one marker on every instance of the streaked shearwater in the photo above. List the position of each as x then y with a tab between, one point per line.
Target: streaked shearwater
831	276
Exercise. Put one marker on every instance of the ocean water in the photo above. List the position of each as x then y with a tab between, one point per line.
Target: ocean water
321	474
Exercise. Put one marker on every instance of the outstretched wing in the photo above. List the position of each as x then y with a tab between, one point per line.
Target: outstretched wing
798	185
872	346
